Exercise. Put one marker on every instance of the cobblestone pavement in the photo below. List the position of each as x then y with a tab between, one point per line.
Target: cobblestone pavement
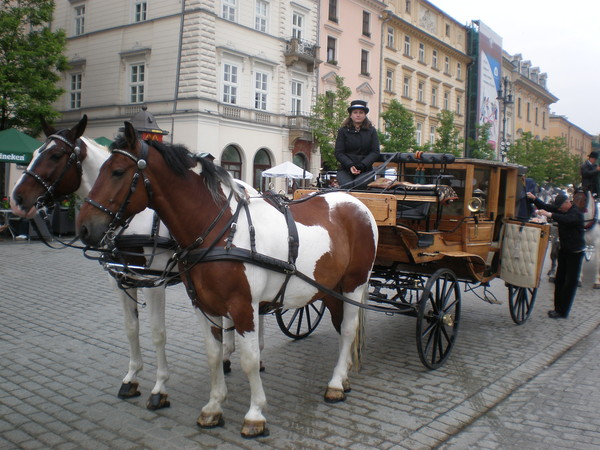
64	353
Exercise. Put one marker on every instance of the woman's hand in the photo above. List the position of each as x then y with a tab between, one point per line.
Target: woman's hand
354	171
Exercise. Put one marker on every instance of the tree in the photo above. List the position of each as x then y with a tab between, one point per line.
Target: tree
31	55
548	161
480	148
329	112
399	135
448	140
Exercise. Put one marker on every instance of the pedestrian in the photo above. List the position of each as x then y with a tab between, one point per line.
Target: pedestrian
525	209
589	174
356	146
570	253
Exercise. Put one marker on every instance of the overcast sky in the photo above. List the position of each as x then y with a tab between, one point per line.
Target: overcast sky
561	38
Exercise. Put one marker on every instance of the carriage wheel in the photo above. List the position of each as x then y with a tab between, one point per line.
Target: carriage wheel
520	302
438	318
301	322
589	252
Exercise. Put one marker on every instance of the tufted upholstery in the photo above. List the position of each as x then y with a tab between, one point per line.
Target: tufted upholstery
520	247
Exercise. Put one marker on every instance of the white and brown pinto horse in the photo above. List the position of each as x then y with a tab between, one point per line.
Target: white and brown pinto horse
238	253
69	163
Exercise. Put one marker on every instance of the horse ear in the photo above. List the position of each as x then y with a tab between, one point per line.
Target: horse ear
77	130
48	129
130	135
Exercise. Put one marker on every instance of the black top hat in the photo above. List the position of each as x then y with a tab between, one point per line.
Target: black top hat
358	104
593	154
560	199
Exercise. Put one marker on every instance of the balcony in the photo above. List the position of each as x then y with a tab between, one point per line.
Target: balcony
298	50
299	126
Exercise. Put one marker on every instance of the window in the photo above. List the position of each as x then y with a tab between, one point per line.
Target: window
331	45
432	135
262	14
364	62
544	120
519	107
421	52
232	162
297	88
389	80
140	10
406	88
419	133
391	41
459	71
333	4
446	64
434	59
366	24
75	91
79	20
260	90
446	100
228	10
536	116
447	30
407	7
137	75
420	93
433	96
458	105
262	162
528	112
407	45
230	83
297	25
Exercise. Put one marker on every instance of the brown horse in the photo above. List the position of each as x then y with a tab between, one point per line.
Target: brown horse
239	254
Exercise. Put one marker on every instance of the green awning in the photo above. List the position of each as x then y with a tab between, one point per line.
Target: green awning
103	141
17	147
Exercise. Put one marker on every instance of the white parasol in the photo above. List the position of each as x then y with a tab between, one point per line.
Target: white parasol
287	170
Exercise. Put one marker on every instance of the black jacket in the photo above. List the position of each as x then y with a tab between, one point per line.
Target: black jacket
357	148
589	177
570	226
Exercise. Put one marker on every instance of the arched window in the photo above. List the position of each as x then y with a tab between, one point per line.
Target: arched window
232	161
262	162
301	161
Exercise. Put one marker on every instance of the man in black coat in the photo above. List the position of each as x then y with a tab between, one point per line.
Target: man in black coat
570	254
589	174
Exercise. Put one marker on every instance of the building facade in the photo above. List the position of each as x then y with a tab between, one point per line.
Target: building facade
578	141
232	78
424	64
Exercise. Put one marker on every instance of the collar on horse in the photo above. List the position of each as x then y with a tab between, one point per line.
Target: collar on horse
74	158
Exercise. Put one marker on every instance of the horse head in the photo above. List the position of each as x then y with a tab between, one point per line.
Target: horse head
55	170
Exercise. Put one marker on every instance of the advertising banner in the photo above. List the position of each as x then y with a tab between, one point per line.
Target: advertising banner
490	68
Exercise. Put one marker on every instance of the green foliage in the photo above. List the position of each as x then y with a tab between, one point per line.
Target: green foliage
399	133
448	139
30	59
548	161
329	112
480	148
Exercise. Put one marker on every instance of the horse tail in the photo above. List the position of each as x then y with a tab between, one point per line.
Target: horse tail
359	337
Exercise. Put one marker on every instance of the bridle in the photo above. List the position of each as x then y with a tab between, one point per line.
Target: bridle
118	219
47	198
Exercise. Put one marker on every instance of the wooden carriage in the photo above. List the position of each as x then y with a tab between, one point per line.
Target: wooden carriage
444	221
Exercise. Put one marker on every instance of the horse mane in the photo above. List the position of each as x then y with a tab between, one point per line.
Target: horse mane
179	159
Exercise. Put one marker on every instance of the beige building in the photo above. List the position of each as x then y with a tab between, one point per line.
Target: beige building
229	77
425	64
529	111
350	41
578	140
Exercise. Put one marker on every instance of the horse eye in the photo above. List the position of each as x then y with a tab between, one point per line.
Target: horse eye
55	157
118	173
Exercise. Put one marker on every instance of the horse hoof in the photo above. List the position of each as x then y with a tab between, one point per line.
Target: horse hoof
129	390
210	420
334	395
262	368
596	285
157	401
254	428
226	367
346	386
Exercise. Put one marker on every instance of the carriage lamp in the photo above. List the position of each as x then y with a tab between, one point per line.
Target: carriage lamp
146	126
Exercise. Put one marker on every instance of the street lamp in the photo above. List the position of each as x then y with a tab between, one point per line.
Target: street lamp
504	96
